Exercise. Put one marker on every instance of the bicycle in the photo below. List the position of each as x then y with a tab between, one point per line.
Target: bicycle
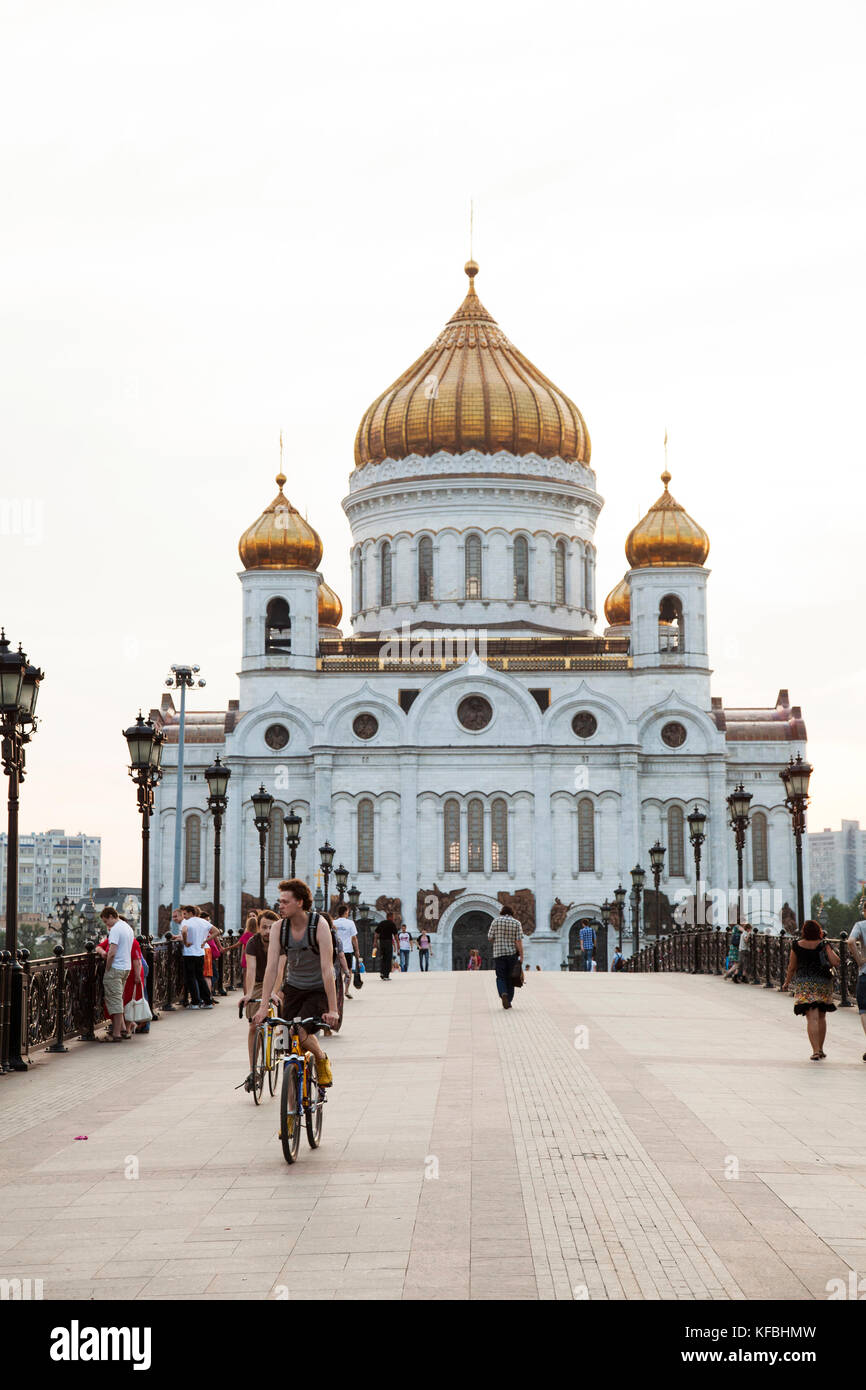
269	1045
301	1094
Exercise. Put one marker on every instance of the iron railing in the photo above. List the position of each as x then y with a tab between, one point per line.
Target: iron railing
63	994
764	962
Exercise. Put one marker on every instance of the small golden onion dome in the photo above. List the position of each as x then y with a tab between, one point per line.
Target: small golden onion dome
330	607
472	390
667	535
617	605
281	539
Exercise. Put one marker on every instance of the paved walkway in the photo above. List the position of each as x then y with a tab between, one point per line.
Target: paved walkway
635	1137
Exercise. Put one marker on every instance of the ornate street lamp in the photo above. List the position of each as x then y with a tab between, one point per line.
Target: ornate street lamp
262	803
620	896
795	778
217	778
318	898
326	854
657	860
638	876
65	910
697	834
145	755
738	807
341	878
19	689
292	822
354	896
182	678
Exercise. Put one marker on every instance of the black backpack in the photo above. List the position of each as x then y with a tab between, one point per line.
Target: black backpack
312	937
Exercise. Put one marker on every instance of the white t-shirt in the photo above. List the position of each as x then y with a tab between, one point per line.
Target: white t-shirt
121	937
858	933
405	941
345	929
196	934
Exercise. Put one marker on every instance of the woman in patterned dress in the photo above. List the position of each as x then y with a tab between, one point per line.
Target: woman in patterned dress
809	971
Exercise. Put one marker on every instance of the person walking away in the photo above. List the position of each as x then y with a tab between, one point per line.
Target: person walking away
347	937
257	960
118	963
193	936
810	967
506	934
404	941
857	943
424	951
385	932
587	942
618	962
309	985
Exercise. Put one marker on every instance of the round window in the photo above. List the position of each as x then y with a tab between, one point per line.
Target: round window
276	736
584	724
674	735
365	725
475	712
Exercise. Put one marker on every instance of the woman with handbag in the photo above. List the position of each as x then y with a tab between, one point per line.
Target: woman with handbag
135	1006
810	971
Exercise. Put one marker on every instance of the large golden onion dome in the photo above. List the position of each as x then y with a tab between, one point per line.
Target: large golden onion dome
330	607
617	605
667	535
281	539
472	390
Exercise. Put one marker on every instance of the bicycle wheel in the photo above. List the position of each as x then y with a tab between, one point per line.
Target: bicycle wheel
313	1101
290	1116
259	1066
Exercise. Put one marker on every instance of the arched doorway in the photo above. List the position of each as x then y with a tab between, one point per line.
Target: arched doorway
470	933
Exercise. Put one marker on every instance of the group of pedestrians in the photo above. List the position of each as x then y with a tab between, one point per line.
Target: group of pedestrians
389	936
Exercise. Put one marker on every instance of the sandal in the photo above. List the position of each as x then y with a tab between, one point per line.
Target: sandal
816	1056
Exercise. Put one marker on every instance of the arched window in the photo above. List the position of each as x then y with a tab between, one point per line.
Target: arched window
671	633
365	836
452	837
760	856
473	566
499	835
360	579
386	574
192	850
475	828
585	837
521	567
278	627
676	844
275	844
425	567
559	573
587	583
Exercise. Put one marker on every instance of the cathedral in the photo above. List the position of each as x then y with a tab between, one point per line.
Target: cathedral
471	739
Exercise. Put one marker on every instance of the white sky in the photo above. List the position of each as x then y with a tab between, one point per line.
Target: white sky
219	220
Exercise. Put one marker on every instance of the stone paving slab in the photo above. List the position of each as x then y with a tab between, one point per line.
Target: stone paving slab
614	1137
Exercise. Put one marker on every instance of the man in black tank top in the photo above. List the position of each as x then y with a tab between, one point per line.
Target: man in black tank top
310	987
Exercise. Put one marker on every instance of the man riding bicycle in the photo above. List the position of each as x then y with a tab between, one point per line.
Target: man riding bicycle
310	987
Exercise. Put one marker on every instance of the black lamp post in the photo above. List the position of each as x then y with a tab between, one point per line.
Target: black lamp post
326	854
738	806
145	754
217	778
697	834
19	688
606	910
657	860
65	910
620	897
354	896
292	822
262	803
637	881
341	878
318	898
795	778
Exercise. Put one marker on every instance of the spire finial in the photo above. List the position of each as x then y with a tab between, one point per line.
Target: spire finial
666	477
471	266
281	477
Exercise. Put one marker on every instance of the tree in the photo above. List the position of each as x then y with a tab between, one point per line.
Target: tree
837	917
